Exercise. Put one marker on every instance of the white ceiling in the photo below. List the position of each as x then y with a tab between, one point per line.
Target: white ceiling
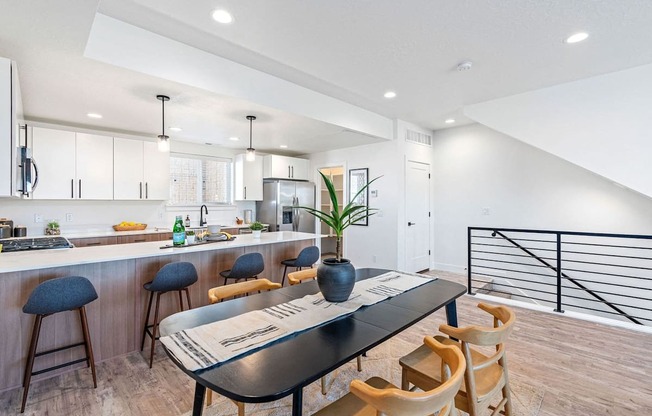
353	50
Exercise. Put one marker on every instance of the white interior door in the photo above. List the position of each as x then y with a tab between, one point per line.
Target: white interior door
417	197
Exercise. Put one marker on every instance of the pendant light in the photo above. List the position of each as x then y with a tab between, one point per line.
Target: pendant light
163	139
251	152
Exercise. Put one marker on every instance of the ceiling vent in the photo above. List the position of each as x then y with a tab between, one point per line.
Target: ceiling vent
418	137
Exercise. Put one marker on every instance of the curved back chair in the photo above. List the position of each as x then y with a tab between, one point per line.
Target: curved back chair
297	277
218	294
306	258
379	397
247	266
173	277
54	296
486	375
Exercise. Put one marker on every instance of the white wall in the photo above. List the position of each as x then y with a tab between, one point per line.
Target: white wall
378	239
601	123
475	167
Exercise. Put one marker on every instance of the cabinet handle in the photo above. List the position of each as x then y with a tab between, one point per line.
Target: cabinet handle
72	188
93	244
139	241
80	194
245	192
292	172
141	190
289	174
146	192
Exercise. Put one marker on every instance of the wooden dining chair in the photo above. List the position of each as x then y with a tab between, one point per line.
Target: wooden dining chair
218	294
379	397
297	277
486	374
308	274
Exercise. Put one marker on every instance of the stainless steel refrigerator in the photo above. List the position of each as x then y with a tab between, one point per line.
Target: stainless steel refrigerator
279	205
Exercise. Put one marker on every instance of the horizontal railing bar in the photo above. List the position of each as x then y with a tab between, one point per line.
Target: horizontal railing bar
624	276
606	245
619	295
516	271
588	253
612	284
606	264
505	261
510	246
534	240
511	255
514	278
576	233
609	312
573	297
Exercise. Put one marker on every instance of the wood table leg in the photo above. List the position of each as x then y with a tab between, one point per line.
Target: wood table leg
198	405
297	402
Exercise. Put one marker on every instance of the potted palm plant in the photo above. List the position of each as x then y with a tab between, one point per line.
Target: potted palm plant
336	276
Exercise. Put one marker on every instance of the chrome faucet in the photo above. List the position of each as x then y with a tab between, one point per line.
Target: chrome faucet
202	220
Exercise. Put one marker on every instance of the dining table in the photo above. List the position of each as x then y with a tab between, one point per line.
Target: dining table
284	367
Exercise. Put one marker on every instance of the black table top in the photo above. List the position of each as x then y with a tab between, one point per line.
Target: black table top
284	366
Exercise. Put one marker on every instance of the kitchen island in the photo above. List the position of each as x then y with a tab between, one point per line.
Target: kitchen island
118	273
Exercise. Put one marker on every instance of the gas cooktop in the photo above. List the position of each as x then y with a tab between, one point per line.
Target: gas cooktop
36	243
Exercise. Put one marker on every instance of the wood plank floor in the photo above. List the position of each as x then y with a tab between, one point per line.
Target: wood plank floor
577	367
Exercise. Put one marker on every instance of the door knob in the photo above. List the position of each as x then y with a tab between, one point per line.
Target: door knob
411	223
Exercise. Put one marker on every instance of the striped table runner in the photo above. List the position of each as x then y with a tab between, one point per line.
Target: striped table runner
204	346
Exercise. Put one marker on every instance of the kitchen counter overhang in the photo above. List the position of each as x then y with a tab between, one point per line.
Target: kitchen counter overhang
43	259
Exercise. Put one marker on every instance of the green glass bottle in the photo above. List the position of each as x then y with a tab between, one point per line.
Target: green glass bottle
178	232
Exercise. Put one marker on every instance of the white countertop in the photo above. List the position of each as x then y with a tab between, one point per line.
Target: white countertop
43	259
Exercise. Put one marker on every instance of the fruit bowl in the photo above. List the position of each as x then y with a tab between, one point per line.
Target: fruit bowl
129	227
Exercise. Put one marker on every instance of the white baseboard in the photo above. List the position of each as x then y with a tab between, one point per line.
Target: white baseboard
453	268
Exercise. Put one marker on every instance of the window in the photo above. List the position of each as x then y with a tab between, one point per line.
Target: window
197	180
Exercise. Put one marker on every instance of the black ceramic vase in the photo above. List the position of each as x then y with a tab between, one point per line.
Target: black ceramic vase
336	279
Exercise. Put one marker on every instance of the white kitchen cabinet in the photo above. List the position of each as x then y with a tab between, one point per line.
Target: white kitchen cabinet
94	166
10	110
285	167
140	171
72	165
248	179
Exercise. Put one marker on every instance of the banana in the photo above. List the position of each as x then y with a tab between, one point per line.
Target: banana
228	236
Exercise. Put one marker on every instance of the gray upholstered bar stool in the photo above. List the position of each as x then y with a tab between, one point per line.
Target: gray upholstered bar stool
173	277
247	266
306	258
50	297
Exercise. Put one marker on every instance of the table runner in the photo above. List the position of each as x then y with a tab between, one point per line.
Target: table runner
206	345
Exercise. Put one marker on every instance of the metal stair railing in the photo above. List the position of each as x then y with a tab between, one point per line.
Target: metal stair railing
487	258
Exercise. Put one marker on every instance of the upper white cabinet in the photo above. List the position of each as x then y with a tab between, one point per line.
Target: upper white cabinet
140	170
72	165
10	109
284	167
248	179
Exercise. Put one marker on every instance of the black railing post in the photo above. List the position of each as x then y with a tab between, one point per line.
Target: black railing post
469	289
559	274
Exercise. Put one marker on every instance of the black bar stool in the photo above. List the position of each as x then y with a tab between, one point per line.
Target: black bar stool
306	258
177	276
248	266
50	297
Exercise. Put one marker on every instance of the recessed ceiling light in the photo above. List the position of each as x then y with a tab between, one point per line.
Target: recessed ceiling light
94	115
283	146
390	94
175	128
577	37
222	16
449	121
234	139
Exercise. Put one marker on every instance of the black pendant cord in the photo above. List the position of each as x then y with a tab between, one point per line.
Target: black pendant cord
251	122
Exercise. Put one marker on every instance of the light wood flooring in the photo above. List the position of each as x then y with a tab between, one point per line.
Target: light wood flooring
576	368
